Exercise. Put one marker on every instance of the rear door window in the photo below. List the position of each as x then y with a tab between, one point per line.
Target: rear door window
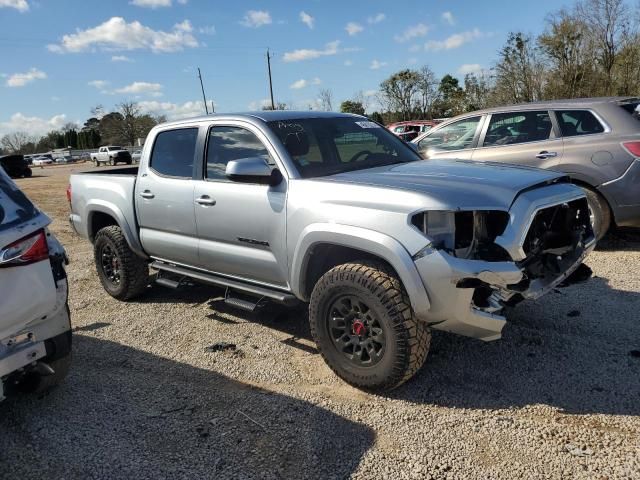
633	108
15	207
578	122
517	127
173	152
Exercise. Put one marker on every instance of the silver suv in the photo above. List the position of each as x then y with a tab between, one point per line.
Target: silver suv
596	141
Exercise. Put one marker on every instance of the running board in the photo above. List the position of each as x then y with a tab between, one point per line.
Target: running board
275	295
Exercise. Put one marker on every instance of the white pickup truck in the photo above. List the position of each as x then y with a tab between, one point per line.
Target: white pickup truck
111	155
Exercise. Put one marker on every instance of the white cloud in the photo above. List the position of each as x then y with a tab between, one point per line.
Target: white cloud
21	79
20	5
173	111
151	3
183	2
256	19
307	19
208	30
302	83
448	17
141	88
32	125
353	28
259	104
330	48
298	84
466	68
348	63
454	41
414	31
121	58
376	65
98	83
116	34
376	18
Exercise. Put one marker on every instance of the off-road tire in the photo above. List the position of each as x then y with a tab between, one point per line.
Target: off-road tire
27	173
407	338
601	213
134	271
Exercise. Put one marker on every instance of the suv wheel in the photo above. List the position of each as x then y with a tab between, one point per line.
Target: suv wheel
599	213
363	325
123	274
111	161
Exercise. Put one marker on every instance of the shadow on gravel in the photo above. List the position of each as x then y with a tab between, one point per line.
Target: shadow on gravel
124	413
572	350
620	239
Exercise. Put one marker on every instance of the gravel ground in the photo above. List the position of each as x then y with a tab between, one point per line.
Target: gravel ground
557	397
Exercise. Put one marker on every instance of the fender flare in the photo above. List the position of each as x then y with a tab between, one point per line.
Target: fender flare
375	243
102	206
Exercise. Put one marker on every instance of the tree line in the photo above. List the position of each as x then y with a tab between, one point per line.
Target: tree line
590	50
122	126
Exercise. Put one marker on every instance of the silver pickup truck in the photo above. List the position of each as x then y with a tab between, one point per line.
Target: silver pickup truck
334	210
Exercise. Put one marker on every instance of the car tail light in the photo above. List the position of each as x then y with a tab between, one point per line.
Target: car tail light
633	148
27	250
69	194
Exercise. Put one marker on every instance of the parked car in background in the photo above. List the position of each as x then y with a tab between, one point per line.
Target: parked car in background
334	210
409	130
41	161
111	155
15	166
596	141
35	329
136	156
61	160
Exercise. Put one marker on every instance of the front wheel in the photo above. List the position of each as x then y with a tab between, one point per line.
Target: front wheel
363	325
599	213
123	274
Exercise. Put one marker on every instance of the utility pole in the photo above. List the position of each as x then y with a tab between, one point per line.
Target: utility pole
204	97
213	108
273	105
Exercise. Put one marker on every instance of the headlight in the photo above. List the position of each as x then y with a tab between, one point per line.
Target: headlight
465	234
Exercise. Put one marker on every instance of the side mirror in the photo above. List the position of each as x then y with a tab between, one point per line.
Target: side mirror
253	170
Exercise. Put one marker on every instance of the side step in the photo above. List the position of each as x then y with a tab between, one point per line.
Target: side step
249	303
167	282
211	279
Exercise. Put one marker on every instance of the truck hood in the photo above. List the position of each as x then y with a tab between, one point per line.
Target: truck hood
461	184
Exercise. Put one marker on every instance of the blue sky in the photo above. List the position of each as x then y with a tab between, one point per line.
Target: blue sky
59	58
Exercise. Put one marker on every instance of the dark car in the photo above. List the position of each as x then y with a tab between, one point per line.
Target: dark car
15	166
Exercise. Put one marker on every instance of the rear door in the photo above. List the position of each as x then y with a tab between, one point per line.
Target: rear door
241	226
164	197
522	138
453	140
27	287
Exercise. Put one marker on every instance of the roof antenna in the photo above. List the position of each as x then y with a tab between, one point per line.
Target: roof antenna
204	97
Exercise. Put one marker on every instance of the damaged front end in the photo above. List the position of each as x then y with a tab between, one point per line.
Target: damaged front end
495	259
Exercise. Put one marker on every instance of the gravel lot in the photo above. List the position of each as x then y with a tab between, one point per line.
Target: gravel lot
557	397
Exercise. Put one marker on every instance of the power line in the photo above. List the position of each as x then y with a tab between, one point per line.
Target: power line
204	97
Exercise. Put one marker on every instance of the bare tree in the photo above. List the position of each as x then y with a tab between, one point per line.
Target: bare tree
519	71
325	96
16	141
428	92
399	90
607	21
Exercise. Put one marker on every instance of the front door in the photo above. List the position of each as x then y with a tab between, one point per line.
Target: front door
241	226
521	138
164	197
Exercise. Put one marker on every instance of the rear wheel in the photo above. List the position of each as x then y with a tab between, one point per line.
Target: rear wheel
363	325
599	213
123	274
96	162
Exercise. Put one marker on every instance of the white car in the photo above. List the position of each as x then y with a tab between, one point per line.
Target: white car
41	161
136	156
35	330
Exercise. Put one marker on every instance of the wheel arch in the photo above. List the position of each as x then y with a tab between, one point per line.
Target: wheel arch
103	214
323	246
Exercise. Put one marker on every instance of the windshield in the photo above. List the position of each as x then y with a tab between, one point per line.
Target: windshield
326	146
15	207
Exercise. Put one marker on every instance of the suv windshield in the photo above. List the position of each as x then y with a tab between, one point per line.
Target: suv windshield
15	207
326	146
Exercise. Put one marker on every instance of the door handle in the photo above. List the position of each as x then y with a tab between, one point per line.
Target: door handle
206	201
147	194
544	154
